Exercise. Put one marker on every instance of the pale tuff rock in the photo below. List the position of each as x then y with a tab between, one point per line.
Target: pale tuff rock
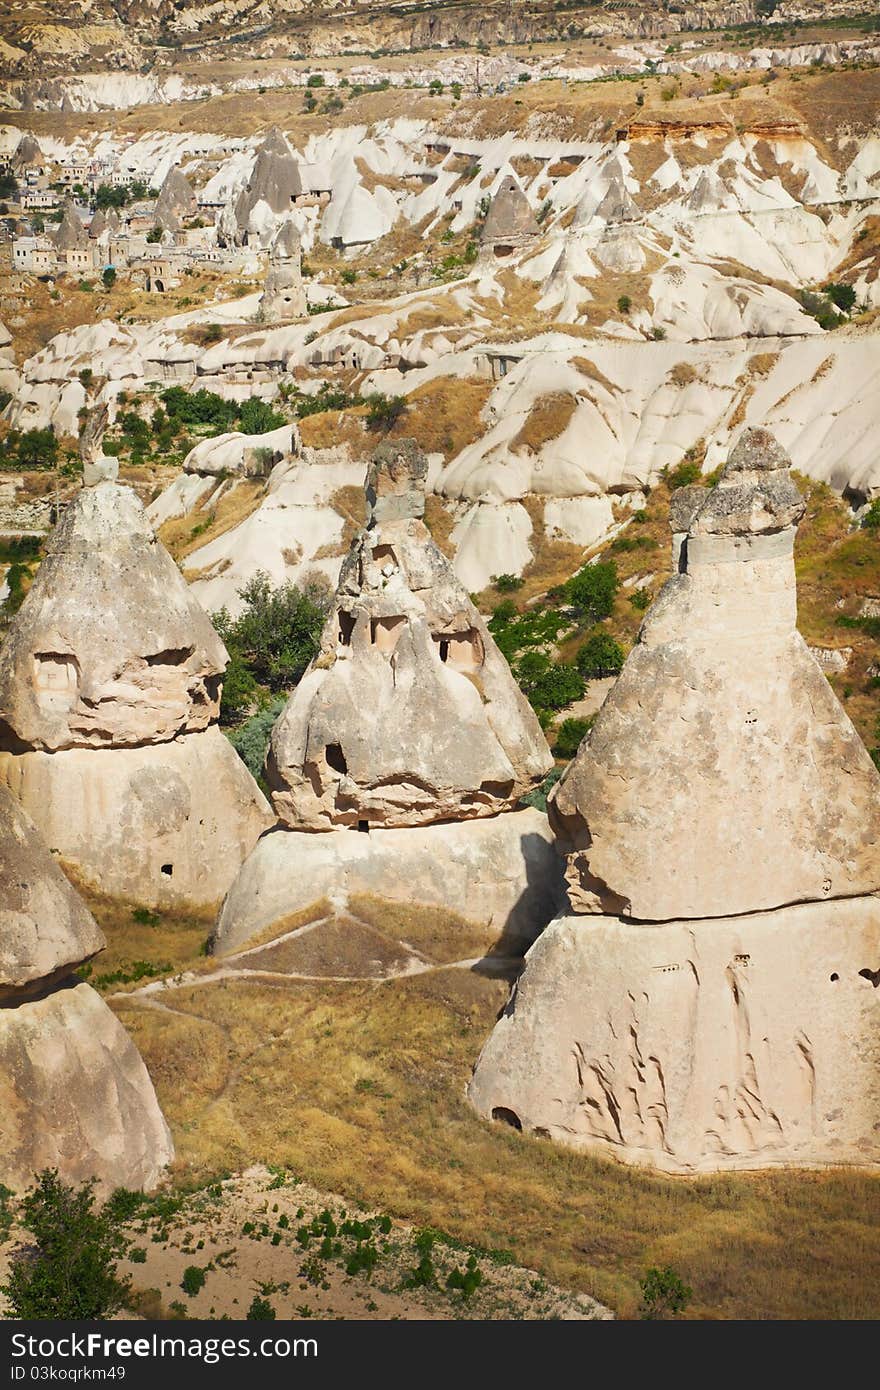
284	296
510	223
246	455
164	824
745	1042
724	810
26	152
617	206
722	744
75	1095
71	234
503	872
74	1092
109	648
275	180
110	682
45	929
409	713
176	201
98	467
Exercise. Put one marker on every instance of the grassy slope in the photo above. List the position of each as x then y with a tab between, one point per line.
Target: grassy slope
359	1087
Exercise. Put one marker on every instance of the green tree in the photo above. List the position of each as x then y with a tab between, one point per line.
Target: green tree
256	417
108	276
599	656
70	1270
592	590
273	639
38	449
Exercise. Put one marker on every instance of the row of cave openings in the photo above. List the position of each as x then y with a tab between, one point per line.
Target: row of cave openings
461	651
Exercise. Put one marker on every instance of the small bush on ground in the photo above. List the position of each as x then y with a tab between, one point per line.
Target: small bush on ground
664	1294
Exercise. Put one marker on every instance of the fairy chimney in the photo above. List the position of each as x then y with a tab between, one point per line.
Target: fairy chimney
176	201
74	1092
510	223
283	295
409	713
710	1002
110	682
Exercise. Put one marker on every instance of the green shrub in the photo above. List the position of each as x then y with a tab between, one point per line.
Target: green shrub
538	796
193	1280
592	590
69	1270
507	583
251	740
383	411
569	736
664	1294
256	417
108	277
844	296
505	612
871	519
315	79
599	656
685	474
641	599
548	685
261	1310
624	304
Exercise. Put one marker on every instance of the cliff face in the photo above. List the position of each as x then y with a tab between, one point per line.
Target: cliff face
140	35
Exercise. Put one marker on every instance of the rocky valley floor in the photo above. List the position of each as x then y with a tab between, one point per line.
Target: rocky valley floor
338	1056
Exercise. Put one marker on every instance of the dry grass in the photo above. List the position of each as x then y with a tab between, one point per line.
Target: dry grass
338	427
762	363
683	373
443	415
182	535
351	504
161	937
359	1088
440	522
548	418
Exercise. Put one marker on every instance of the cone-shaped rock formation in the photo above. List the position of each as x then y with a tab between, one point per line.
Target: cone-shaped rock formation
110	683
283	295
510	222
74	1093
176	200
724	810
722	719
409	713
409	725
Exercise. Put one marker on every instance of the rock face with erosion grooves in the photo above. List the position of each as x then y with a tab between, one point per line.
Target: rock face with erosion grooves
110	683
713	1002
408	725
74	1092
409	713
